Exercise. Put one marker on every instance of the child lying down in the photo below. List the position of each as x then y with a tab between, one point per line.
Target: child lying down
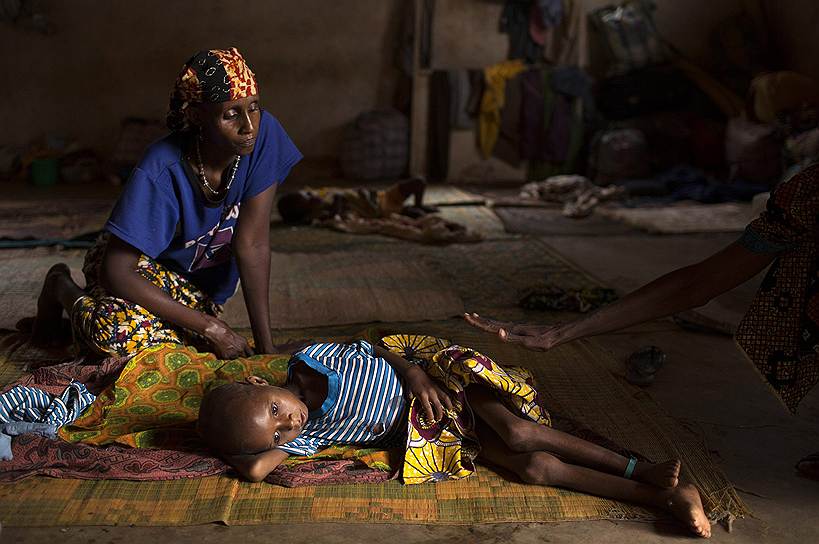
461	406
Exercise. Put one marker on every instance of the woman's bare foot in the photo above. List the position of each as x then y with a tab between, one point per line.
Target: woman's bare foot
666	474
47	328
685	504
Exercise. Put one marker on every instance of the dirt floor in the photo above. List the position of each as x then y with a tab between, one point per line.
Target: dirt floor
706	383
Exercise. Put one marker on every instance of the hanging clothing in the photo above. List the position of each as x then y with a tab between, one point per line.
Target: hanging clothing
476	87
532	116
493	101
514	21
439	120
565	40
507	148
573	81
552	127
460	91
550	11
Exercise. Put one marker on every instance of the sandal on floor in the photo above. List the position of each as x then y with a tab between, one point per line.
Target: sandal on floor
809	466
643	364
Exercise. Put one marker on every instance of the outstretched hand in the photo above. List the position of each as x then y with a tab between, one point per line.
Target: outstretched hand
535	337
226	343
434	401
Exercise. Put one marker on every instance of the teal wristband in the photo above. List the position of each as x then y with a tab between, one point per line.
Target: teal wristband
630	468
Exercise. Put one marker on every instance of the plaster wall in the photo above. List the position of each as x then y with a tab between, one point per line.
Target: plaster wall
793	25
318	63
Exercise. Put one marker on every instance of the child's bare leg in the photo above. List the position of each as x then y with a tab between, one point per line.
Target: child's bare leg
414	187
59	293
522	435
542	468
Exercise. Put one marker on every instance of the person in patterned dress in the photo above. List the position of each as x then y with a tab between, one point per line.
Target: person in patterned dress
780	331
462	405
192	220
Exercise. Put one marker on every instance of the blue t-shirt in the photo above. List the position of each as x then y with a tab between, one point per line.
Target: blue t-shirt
164	215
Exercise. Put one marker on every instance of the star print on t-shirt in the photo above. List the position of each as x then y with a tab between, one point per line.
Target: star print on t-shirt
213	247
213	253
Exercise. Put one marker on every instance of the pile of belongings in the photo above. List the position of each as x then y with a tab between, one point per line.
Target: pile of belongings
553	298
578	195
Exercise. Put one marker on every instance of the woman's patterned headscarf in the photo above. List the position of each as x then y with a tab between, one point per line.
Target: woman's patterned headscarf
217	75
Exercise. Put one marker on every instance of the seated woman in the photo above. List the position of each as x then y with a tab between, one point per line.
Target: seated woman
780	331
355	394
192	221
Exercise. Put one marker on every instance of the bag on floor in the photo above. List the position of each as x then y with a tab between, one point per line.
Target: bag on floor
619	154
753	151
376	146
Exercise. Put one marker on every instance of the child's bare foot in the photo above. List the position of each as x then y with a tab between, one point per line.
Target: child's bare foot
46	330
666	474
685	504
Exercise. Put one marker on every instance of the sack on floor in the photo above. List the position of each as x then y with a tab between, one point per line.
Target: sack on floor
376	146
752	151
618	154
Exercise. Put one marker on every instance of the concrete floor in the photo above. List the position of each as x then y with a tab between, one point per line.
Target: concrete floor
706	383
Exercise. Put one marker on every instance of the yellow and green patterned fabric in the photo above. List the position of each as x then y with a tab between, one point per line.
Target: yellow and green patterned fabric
155	401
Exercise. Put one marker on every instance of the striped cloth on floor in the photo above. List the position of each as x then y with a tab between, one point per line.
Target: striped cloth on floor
23	403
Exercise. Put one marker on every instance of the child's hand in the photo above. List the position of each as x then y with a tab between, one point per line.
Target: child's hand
433	399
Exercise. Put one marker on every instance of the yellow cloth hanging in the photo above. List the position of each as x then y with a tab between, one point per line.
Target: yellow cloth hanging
492	101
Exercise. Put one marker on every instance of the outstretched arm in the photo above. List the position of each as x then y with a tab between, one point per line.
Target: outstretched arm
256	466
433	399
252	247
682	289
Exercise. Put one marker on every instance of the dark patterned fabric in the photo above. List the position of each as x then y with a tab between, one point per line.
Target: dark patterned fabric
780	331
35	455
217	75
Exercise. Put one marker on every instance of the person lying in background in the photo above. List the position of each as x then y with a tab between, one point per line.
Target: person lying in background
462	406
367	211
317	205
780	331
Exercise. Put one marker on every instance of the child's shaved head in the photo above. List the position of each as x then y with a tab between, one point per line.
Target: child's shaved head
250	417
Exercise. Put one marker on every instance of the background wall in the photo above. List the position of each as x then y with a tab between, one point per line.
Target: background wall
793	25
319	63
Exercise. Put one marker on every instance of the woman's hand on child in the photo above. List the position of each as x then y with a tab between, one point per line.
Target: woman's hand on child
226	343
433	399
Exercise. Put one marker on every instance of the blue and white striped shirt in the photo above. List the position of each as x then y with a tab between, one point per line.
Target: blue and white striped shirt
21	403
365	400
